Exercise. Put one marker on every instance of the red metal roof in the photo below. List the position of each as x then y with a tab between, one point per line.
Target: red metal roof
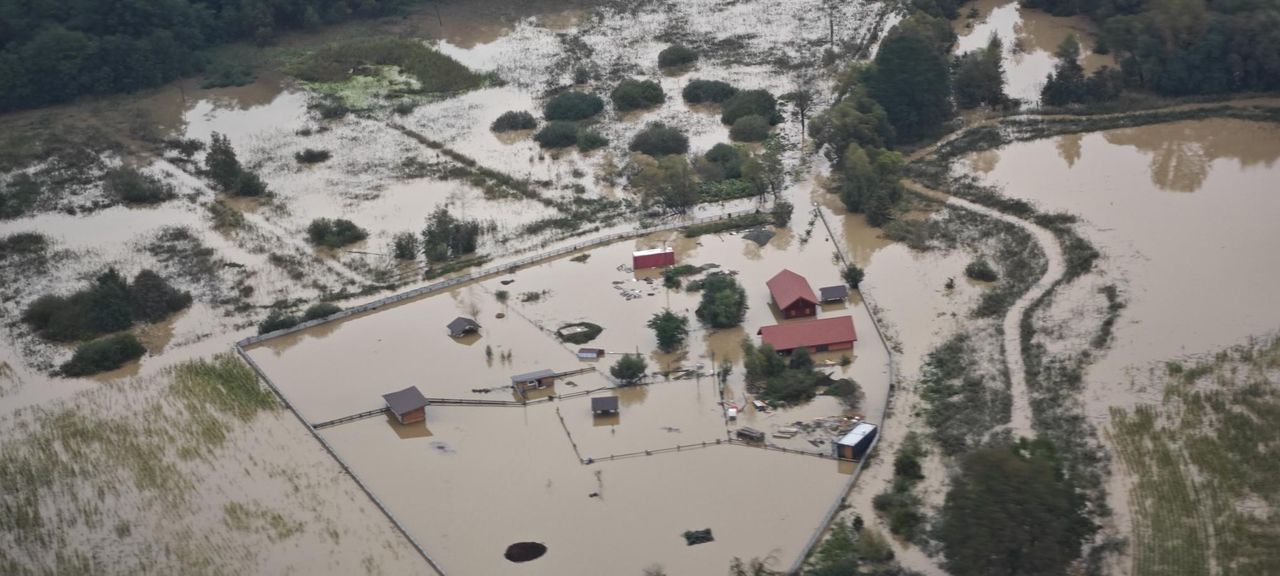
787	287
809	333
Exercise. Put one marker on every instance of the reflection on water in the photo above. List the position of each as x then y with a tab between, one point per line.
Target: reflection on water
1068	146
1030	39
1183	153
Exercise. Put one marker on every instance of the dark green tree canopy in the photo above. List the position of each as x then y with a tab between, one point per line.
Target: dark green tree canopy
572	105
912	82
724	302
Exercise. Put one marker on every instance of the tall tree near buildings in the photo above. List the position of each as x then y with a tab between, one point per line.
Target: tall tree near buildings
912	81
1066	84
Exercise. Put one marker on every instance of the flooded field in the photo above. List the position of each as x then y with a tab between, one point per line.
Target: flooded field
1030	38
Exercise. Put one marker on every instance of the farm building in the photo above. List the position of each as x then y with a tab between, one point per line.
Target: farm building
792	295
837	293
816	335
655	258
590	353
462	326
604	405
408	405
854	445
533	380
750	434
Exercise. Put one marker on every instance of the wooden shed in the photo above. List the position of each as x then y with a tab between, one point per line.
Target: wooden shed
408	405
655	258
837	293
854	445
533	380
603	405
590	353
462	326
792	295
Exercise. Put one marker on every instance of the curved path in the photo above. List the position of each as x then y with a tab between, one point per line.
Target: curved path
1020	413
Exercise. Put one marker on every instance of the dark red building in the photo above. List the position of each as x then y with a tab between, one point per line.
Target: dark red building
792	295
655	258
816	335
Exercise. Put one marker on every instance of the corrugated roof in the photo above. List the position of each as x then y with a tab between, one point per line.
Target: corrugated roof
461	323
535	375
603	403
837	292
787	287
405	401
809	333
857	434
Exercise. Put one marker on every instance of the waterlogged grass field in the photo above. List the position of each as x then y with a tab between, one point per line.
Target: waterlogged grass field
1205	463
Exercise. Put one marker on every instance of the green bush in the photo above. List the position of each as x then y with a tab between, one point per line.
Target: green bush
707	91
658	139
781	213
312	156
853	276
589	140
109	304
728	158
557	134
629	369
512	120
749	128
572	105
446	237
405	246
277	320
223	167
636	94
23	244
748	102
132	186
670	329
334	233
676	55
320	310
103	354
981	270
724	301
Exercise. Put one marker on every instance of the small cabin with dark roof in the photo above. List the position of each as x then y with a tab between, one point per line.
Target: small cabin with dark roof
533	380
408	405
462	326
792	295
837	293
604	405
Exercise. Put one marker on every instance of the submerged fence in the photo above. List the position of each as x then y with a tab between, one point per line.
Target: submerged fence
494	270
836	506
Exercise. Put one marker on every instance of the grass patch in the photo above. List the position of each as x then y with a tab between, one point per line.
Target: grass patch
734	223
434	72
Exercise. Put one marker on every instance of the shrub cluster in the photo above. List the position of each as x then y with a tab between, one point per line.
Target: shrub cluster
676	55
749	128
512	120
446	237
589	140
557	134
312	156
750	102
222	166
658	139
572	105
109	304
702	91
981	270
103	354
724	301
132	186
334	233
637	94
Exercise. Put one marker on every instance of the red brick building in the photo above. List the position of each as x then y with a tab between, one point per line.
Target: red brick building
792	295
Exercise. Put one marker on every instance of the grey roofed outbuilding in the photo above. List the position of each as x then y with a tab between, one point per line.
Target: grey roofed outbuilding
405	401
833	293
461	325
604	404
533	376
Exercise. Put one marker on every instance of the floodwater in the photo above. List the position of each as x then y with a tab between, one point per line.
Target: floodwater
1030	39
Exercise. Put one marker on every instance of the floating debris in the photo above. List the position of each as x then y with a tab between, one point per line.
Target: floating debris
759	235
525	551
703	536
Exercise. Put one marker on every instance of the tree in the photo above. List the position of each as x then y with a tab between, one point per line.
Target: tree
676	55
151	298
724	302
781	213
109	307
670	328
405	246
514	120
668	180
1066	84
1012	511
912	82
853	275
631	94
801	101
572	105
221	164
712	91
658	139
750	128
747	102
102	355
629	369
980	76
557	134
446	237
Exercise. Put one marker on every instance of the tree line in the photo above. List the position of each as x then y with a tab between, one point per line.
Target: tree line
57	50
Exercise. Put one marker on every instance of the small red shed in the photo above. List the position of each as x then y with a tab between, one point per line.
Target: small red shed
816	335
655	258
792	295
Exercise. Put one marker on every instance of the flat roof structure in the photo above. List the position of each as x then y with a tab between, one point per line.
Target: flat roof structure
857	434
834	293
604	404
816	334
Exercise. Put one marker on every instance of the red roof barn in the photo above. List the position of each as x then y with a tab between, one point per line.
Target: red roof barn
655	258
792	295
816	335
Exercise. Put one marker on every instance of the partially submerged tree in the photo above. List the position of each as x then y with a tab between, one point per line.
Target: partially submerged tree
724	301
446	237
670	329
629	369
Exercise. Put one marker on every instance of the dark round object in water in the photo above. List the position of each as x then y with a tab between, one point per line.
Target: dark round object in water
525	551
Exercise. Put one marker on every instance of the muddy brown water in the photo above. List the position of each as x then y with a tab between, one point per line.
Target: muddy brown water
1030	39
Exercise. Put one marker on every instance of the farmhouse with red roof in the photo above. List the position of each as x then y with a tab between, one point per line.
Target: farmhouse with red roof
792	295
816	335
